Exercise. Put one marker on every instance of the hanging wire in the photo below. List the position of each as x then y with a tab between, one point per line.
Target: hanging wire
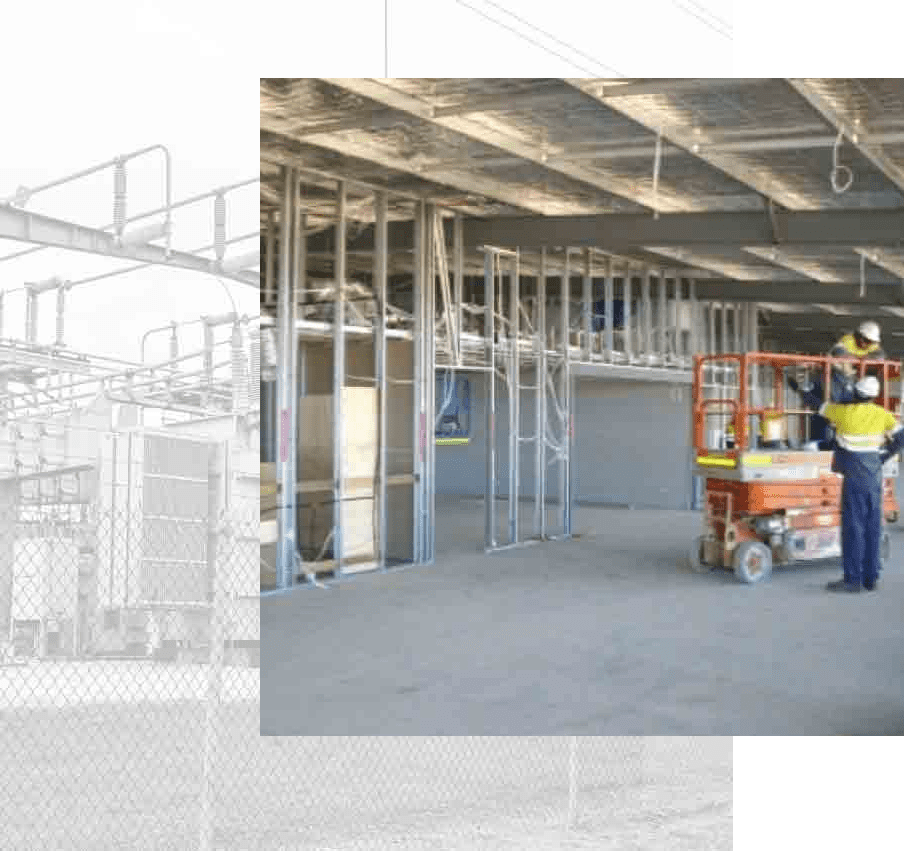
592	72
862	276
657	160
702	14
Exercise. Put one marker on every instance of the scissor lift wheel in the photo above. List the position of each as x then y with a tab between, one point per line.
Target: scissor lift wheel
752	562
695	556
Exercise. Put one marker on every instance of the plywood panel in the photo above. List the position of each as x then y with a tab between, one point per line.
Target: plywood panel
315	435
318	365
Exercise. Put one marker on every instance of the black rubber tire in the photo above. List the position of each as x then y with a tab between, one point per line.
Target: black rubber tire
752	562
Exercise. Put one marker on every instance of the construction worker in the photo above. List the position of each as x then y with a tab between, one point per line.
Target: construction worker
864	343
866	435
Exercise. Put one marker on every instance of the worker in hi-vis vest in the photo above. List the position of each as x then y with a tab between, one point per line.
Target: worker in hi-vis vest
866	435
864	343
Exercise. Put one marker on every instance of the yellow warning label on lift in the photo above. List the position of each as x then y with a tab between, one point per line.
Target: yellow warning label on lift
452	441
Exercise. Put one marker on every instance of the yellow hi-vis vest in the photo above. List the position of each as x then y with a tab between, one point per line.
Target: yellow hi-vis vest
859	426
849	343
847	347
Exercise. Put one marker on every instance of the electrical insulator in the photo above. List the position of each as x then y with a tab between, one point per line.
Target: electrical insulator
239	371
269	348
219	216
119	197
208	362
174	344
61	310
31	316
254	380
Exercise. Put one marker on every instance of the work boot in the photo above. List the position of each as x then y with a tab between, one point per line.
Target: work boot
842	586
871	586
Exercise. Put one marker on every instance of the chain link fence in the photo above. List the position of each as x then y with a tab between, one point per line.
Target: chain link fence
130	697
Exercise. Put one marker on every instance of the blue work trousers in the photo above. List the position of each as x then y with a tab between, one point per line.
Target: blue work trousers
861	528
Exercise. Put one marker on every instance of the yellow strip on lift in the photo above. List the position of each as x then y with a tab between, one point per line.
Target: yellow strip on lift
452	441
711	461
757	460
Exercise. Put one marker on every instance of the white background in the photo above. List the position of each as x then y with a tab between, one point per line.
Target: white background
436	38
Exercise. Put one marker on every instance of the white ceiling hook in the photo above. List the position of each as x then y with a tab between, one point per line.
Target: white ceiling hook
839	186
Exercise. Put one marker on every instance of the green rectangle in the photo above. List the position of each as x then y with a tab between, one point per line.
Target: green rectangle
801	39
819	792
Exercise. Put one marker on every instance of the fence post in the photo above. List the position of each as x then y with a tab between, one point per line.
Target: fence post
572	781
9	511
217	550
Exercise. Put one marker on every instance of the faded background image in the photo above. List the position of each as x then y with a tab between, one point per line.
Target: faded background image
129	420
129	621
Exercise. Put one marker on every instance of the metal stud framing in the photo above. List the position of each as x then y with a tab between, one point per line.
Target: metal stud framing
291	270
540	347
490	265
651	330
565	396
339	379
608	319
587	306
647	305
380	277
428	374
420	403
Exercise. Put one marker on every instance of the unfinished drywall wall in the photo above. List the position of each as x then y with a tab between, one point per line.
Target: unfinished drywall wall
632	445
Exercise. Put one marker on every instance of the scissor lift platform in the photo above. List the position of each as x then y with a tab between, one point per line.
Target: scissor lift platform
771	506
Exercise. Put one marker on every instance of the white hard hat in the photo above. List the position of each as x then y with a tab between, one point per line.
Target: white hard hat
870	331
867	387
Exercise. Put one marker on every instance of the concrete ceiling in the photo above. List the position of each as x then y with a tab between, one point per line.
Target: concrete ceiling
742	197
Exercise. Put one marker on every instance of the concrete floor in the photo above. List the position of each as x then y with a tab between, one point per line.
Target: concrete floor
607	634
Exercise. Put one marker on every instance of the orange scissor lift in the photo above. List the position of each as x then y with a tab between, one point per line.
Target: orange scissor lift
777	505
